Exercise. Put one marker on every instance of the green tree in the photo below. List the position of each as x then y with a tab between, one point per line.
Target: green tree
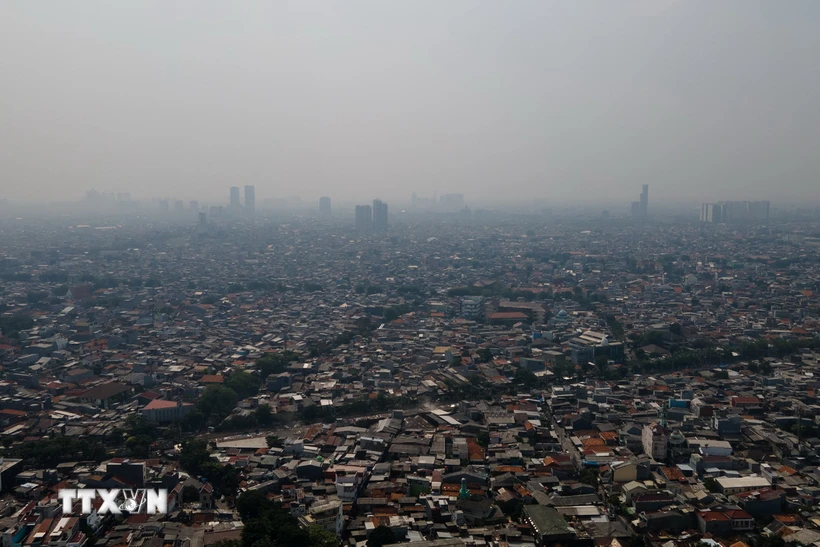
263	415
512	509
382	535
243	384
319	537
274	441
139	446
525	377
216	402
194	456
275	363
588	476
252	504
602	365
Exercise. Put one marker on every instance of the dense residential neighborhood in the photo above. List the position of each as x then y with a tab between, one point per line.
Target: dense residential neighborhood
475	378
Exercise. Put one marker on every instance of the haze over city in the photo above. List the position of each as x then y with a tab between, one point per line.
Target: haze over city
564	101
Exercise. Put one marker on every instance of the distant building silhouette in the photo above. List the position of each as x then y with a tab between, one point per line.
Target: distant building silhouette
250	199
640	209
645	201
379	215
234	204
324	206
364	218
734	212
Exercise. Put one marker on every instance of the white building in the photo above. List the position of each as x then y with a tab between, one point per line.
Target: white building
735	485
655	441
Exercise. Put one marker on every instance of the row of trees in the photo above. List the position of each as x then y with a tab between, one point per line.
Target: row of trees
268	524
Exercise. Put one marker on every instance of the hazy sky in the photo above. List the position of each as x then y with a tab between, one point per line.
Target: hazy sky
589	99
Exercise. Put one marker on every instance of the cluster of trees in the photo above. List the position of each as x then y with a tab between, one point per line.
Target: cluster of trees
195	458
18	277
140	435
275	363
11	325
54	276
704	353
394	312
213	406
217	402
359	407
268	524
615	327
34	297
47	453
317	348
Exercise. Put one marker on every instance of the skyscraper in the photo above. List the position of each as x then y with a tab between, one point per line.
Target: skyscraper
234	197
324	206
250	199
710	212
379	215
364	218
735	211
640	208
645	201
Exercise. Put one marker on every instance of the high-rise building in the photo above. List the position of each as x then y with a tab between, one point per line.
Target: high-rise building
641	208
379	215
203	220
234	197
324	206
179	205
193	205
710	212
250	199
645	201
364	218
735	211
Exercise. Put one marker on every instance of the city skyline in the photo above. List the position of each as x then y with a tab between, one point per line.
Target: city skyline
585	102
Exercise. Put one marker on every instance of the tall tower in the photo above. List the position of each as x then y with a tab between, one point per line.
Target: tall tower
379	215
250	199
234	197
645	201
364	218
324	206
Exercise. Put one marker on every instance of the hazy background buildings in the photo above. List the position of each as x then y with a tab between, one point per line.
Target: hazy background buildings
524	103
